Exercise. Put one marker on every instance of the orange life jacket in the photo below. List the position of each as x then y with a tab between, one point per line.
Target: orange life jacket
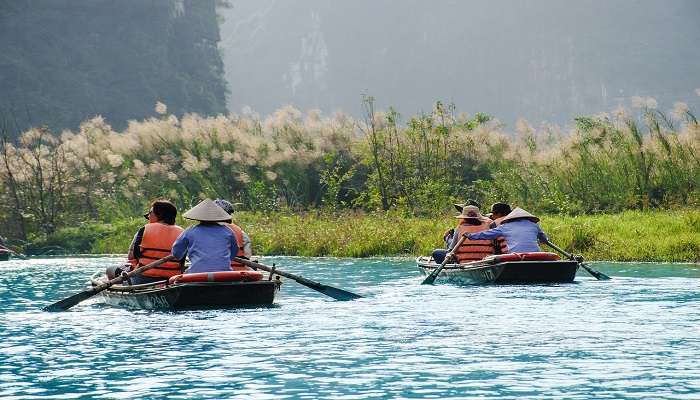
238	232
473	250
500	242
157	242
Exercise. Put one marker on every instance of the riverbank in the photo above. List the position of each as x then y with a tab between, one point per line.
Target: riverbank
663	236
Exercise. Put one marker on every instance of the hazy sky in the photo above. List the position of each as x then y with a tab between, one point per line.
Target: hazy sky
543	60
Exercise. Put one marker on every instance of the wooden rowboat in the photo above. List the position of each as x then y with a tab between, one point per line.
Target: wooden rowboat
525	268
189	295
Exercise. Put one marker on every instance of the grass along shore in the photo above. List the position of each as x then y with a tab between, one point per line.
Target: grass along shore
663	236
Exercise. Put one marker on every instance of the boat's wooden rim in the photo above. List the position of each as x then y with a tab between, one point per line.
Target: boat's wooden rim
425	263
164	285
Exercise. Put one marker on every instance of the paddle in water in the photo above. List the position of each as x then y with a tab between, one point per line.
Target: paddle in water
595	273
69	302
338	294
433	275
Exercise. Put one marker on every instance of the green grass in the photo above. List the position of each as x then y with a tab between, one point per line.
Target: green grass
672	236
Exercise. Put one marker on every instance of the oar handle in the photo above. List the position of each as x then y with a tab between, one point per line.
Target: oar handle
267	268
123	277
336	293
579	259
559	249
433	275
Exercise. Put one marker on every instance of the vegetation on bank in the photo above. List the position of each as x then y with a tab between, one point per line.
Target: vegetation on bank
672	236
388	178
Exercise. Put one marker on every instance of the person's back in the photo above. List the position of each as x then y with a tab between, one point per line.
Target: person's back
153	242
520	230
208	247
471	221
244	249
211	245
473	250
521	236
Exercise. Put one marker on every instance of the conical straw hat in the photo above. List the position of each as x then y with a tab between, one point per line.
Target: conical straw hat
207	211
518	213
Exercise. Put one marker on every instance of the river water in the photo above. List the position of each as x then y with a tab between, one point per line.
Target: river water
636	336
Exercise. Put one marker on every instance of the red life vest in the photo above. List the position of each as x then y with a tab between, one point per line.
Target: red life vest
157	242
473	250
500	242
238	232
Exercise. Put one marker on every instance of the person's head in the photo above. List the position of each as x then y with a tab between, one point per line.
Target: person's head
499	210
162	211
226	206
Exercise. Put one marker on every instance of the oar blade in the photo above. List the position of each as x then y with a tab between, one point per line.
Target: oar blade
336	293
596	274
429	279
69	302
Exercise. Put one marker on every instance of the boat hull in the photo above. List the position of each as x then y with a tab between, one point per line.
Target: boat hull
192	295
510	272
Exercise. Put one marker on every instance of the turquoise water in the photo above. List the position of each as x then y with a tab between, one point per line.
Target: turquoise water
637	336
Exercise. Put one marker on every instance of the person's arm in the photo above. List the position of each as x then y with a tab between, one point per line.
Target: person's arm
247	246
135	247
541	235
180	246
486	235
233	244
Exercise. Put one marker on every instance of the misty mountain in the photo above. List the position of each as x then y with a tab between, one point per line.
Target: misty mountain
546	60
64	61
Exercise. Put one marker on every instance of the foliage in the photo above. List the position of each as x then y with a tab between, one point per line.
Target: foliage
297	162
627	236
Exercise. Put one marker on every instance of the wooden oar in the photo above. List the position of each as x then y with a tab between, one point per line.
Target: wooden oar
595	273
433	275
12	252
18	255
77	298
338	294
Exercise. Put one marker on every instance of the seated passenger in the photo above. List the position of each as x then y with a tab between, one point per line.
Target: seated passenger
209	245
520	230
471	221
152	242
498	212
242	238
449	234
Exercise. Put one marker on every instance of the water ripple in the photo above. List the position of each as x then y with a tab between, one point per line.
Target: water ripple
633	337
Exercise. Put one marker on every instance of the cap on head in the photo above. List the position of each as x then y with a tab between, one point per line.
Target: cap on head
225	205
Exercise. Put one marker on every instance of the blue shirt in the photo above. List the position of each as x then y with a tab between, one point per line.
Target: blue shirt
521	235
210	247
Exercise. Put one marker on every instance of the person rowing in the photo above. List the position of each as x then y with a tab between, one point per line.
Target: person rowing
450	233
245	249
520	230
209	245
153	242
471	221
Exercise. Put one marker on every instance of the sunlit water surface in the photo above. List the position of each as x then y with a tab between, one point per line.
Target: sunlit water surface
637	336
